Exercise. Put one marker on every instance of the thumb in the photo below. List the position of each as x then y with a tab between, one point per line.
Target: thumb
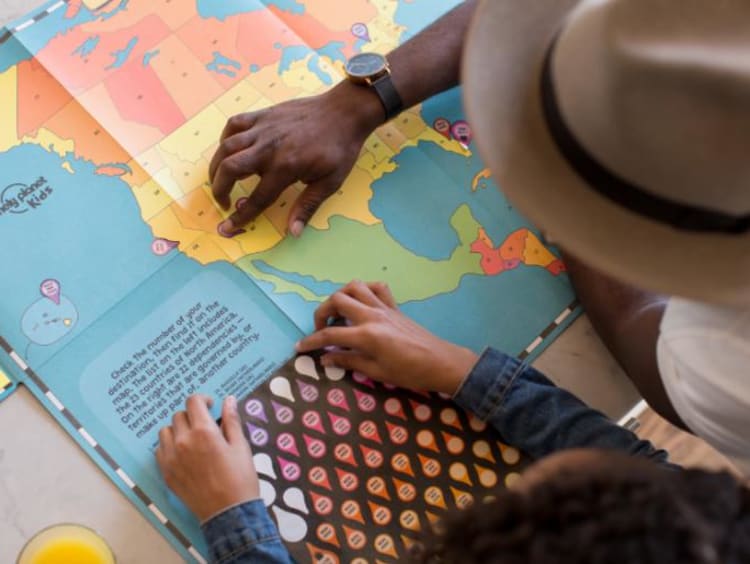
308	203
230	421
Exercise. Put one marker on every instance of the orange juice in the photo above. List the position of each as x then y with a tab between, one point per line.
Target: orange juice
66	544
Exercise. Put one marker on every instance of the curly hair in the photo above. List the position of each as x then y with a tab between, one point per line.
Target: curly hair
658	516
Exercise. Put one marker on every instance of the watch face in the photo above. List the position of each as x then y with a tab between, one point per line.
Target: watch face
365	65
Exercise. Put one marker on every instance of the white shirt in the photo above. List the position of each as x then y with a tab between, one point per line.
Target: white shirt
704	361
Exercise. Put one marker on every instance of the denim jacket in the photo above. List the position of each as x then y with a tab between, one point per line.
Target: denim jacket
528	411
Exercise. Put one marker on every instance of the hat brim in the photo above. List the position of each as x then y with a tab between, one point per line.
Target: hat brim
502	66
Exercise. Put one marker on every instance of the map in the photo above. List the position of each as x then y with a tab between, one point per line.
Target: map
121	296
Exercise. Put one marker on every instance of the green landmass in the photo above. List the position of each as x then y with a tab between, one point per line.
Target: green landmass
352	250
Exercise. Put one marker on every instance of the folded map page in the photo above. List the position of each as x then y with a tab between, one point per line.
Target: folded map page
120	297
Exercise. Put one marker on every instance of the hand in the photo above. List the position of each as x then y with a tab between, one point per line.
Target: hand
210	468
385	345
314	140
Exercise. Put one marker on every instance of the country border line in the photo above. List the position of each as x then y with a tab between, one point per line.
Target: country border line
559	320
89	439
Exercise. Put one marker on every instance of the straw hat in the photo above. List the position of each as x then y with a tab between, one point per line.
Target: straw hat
622	129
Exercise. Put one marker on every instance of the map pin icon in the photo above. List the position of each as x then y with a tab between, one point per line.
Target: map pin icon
461	132
360	31
443	127
50	289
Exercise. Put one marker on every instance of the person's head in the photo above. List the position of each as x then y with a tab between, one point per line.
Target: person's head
621	128
598	507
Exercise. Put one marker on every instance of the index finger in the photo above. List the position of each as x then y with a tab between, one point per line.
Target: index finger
339	304
197	410
238	123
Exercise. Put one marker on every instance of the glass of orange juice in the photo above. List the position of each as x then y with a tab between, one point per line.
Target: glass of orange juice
66	544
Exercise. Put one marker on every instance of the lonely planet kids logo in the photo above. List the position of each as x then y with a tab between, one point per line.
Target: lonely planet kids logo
18	198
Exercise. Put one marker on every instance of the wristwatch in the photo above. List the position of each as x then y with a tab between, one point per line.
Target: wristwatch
372	69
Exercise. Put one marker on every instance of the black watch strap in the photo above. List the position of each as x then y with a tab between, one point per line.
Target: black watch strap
388	96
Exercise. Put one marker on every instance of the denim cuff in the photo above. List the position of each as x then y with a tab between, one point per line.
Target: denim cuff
484	389
238	529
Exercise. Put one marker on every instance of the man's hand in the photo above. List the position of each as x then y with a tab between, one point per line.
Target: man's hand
314	140
384	344
210	468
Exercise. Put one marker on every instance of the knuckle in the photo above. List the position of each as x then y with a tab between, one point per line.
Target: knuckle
182	445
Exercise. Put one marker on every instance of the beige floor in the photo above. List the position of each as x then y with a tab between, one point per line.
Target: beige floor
684	449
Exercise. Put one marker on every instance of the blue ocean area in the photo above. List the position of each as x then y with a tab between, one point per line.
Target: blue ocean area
224	65
313	65
122	55
291	54
87	47
334	50
415	15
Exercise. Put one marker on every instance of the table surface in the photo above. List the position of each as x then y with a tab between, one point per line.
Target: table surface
45	478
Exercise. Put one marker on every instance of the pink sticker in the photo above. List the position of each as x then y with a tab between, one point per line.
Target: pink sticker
365	402
312	420
287	443
50	289
308	392
258	436
254	408
340	425
290	470
344	453
337	398
462	133
315	447
283	413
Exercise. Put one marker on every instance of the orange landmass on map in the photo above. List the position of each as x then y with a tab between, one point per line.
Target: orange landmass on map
40	97
92	141
520	247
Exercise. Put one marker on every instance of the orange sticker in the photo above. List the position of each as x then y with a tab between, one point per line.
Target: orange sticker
401	463
430	467
380	513
510	455
477	424
344	453
460	473
422	412
481	449
348	481
385	545
355	539
410	520
376	486
321	503
320	556
373	458
398	434
449	416
409	542
462	499
327	533
368	430
426	439
431	517
319	477
434	496
351	510
394	408
454	444
406	492
487	477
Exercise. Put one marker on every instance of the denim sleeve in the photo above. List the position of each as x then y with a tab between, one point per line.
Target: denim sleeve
244	534
534	415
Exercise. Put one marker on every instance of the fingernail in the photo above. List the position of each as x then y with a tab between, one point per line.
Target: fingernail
227	229
298	346
232	401
297	228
